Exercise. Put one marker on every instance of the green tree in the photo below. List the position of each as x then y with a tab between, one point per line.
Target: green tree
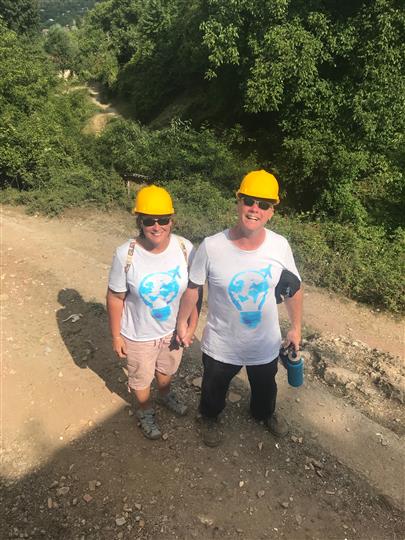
26	75
43	151
128	42
20	15
62	45
331	77
319	86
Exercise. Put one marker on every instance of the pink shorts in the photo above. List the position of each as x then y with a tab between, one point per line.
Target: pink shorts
146	357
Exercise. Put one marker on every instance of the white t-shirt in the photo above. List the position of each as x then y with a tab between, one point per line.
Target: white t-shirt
242	324
154	285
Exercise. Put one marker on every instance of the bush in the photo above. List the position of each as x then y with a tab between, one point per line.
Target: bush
362	263
173	153
202	209
78	186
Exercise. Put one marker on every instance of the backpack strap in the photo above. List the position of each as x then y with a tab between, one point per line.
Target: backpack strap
130	255
183	247
132	247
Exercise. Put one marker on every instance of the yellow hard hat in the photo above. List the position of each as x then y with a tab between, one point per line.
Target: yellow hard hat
153	200
260	184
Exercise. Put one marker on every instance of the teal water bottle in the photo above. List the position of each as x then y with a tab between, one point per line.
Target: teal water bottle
295	369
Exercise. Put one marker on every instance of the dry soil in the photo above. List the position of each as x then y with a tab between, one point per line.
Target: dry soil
74	464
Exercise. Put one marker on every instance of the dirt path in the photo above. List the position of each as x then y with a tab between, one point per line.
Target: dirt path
75	466
98	121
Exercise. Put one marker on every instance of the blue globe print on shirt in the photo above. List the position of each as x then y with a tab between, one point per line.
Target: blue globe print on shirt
248	291
158	290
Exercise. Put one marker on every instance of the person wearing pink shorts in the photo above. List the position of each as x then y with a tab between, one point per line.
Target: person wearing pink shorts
144	358
147	279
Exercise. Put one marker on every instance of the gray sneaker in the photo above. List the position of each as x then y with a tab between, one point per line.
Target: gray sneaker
278	425
210	432
148	424
171	402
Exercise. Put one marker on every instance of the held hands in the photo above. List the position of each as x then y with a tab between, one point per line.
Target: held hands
119	347
184	335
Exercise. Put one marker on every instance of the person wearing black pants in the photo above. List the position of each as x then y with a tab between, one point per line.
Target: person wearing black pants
215	385
247	268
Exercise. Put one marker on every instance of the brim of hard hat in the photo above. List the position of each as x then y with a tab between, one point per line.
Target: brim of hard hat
135	211
156	214
272	201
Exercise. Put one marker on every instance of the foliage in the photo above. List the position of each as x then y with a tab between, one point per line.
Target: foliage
43	152
334	79
78	186
176	152
98	59
314	90
27	78
144	40
199	169
62	45
202	209
22	16
358	262
319	85
26	82
63	12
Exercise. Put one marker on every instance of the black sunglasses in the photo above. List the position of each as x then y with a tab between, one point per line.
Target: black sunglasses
249	201
150	221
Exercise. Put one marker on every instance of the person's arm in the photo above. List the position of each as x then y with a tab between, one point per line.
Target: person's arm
188	338
115	306
187	317
293	305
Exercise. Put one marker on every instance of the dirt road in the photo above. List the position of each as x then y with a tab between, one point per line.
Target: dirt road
75	466
99	120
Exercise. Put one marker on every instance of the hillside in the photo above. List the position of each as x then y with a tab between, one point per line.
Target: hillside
63	12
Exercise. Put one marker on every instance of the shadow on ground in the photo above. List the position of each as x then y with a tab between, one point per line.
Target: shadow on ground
112	483
83	327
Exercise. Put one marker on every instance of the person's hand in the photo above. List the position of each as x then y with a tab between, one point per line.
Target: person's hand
184	336
188	338
119	347
181	331
292	339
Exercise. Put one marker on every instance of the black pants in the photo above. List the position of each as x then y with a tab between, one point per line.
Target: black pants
217	377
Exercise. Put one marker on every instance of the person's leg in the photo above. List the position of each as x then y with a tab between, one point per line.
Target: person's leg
163	382
215	384
142	397
141	360
263	387
216	379
167	364
167	397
